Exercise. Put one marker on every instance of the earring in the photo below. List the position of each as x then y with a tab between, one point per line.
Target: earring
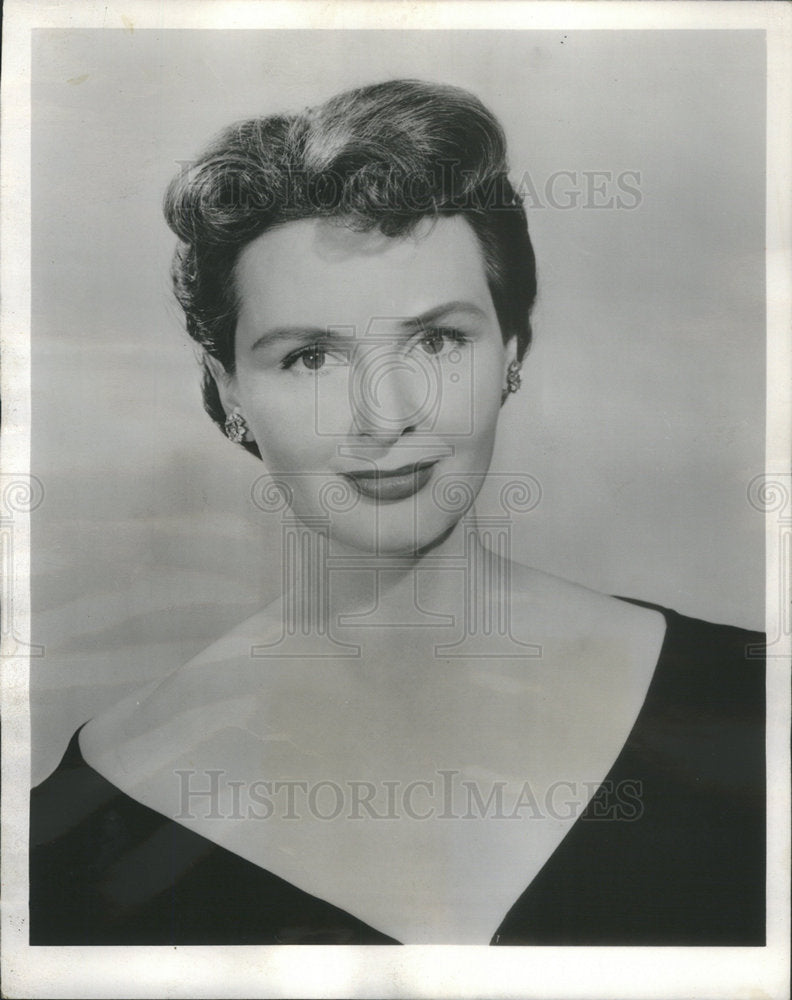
235	427
513	380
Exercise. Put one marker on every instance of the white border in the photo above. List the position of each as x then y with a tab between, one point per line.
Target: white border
369	971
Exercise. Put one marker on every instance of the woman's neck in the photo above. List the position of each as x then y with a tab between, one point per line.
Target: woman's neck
330	587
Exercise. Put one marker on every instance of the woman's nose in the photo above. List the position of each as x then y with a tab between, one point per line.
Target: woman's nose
392	394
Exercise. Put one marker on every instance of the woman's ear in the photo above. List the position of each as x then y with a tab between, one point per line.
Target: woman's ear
226	384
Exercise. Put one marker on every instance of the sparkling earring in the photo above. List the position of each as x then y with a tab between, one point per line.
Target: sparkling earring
235	427
513	380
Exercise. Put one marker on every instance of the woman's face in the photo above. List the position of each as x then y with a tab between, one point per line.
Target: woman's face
369	370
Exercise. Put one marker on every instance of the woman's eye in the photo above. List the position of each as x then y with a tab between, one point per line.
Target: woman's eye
311	358
434	341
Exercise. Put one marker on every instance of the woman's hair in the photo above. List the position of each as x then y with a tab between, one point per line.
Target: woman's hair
380	157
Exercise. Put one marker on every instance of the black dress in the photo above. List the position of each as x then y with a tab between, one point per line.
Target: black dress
681	862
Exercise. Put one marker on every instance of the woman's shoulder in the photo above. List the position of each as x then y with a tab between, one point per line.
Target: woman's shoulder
573	607
704	663
213	691
579	615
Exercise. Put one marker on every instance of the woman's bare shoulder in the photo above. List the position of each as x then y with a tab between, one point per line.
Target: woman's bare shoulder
214	690
556	606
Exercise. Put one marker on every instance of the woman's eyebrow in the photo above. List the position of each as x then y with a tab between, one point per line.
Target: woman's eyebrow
292	333
409	323
442	311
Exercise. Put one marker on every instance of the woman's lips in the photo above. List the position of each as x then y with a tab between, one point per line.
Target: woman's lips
387	487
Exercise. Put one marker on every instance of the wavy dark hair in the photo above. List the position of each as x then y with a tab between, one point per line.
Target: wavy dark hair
378	157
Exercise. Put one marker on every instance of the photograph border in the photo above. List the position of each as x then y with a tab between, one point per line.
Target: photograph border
410	971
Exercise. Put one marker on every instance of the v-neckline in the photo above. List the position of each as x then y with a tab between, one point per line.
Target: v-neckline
633	739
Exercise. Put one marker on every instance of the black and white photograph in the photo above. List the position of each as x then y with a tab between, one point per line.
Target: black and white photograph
398	514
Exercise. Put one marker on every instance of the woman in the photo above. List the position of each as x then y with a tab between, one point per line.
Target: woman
422	741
